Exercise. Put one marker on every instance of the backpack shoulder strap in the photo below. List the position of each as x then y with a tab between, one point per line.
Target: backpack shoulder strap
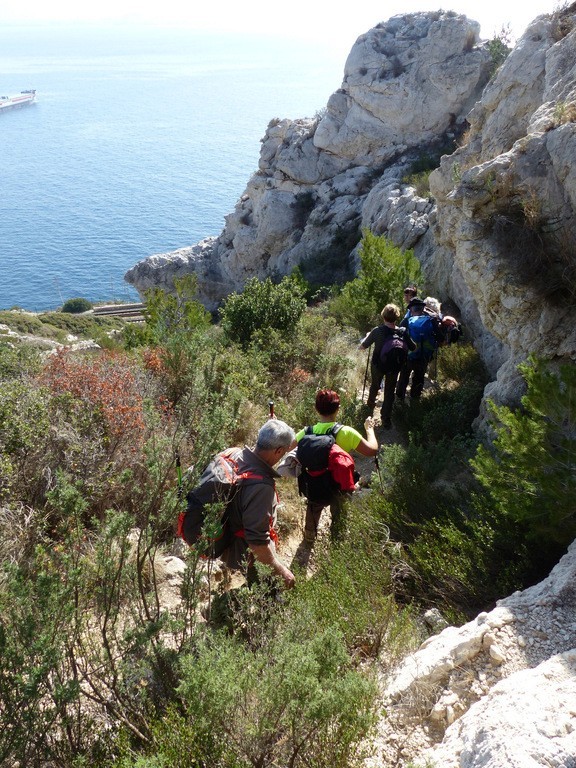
308	430
334	429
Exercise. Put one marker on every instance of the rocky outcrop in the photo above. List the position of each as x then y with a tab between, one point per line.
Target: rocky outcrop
408	85
505	216
498	691
495	235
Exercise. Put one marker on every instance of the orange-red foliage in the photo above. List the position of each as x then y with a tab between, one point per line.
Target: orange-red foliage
153	361
106	382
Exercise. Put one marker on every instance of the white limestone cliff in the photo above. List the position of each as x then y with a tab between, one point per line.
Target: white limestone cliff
495	236
498	691
407	84
505	219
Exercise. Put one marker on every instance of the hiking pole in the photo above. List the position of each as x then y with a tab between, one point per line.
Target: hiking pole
365	375
271	407
179	476
436	353
377	462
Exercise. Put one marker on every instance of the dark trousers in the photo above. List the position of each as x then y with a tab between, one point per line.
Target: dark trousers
337	522
416	369
375	379
390	380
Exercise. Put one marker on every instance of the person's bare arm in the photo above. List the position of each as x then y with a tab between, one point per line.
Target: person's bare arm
266	554
368	446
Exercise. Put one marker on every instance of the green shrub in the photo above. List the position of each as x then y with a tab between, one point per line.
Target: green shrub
352	587
420	181
385	270
25	432
77	305
168	315
86	326
18	362
263	305
448	408
452	549
296	702
462	563
530	469
57	325
22	322
499	48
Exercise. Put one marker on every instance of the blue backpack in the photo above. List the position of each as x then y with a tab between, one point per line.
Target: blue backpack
423	331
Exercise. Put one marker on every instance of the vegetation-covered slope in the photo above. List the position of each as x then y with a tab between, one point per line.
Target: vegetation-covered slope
95	668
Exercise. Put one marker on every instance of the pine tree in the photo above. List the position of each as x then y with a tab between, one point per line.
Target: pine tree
530	470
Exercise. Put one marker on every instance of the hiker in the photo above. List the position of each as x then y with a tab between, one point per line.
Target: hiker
450	331
433	307
252	508
340	473
410	292
391	346
423	330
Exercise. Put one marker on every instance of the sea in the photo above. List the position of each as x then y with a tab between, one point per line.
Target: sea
141	141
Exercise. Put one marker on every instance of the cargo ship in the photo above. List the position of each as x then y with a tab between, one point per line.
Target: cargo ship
21	100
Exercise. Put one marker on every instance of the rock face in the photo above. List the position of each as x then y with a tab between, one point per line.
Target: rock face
407	86
495	236
505	216
498	691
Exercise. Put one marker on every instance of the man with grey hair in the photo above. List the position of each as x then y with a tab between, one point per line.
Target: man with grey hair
252	513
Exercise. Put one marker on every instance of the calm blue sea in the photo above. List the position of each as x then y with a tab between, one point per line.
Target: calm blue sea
140	142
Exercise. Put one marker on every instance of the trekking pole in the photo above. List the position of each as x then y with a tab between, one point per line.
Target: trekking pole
365	375
271	408
179	476
377	462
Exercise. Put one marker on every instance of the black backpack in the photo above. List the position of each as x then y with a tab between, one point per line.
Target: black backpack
394	351
450	331
313	452
205	521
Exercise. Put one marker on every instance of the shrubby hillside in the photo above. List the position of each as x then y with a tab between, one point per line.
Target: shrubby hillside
439	630
122	647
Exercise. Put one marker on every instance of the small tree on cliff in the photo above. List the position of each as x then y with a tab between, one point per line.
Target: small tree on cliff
385	270
530	471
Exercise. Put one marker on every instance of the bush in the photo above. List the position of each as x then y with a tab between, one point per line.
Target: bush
25	432
352	588
75	306
448	408
499	48
57	325
168	316
263	305
385	271
18	362
529	470
452	549
297	702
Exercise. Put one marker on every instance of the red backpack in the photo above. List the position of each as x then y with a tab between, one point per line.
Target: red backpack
315	481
